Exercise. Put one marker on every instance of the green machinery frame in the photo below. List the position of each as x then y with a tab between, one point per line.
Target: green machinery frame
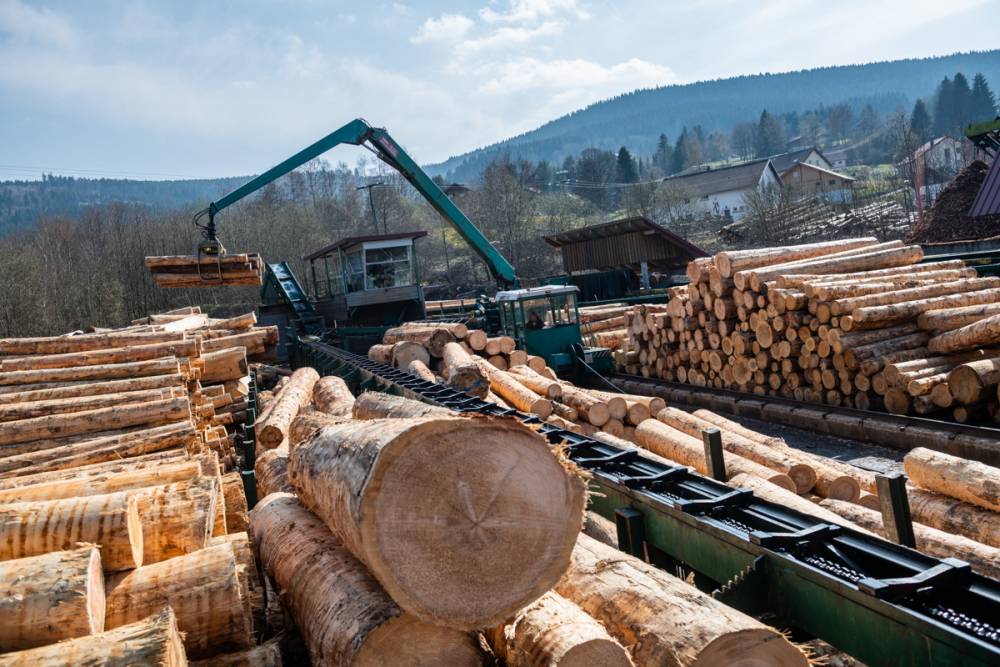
878	601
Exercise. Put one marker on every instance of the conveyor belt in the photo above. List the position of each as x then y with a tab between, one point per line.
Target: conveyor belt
880	602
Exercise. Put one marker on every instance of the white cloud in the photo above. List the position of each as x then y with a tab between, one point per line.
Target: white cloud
44	26
448	28
532	10
531	74
503	38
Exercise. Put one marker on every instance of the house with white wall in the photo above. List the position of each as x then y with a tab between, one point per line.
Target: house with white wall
721	191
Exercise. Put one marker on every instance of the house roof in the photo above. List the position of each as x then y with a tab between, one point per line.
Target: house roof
806	165
725	179
355	240
623	226
785	161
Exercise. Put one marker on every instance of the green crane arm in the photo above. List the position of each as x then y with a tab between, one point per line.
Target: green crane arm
359	133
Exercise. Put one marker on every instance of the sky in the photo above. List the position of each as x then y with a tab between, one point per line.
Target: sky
185	89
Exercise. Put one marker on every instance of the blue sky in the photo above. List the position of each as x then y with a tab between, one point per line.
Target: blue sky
193	89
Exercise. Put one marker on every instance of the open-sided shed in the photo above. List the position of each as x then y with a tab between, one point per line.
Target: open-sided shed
637	243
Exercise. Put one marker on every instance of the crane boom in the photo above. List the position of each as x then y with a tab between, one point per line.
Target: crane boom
359	133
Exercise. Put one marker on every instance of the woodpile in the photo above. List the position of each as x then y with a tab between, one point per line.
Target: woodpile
852	322
121	504
180	271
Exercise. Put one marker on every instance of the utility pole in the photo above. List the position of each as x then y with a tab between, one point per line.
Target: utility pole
371	204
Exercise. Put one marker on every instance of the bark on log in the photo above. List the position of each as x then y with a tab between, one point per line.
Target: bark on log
47	345
105	469
377	405
272	430
512	391
801	473
177	518
151	641
206	589
539	384
984	559
332	396
462	373
307	423
151	413
406	351
729	262
110	521
911	309
850	261
118	355
51	597
985	332
235	501
271	472
962	479
974	381
599	528
344	616
954	516
380	353
948	319
664	620
848	305
553	631
432	338
94	389
672	444
92	485
62	406
363	480
592	409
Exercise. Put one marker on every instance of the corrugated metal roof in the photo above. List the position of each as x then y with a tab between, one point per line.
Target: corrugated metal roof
623	226
987	201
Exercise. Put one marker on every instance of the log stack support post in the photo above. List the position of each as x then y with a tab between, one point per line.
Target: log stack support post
714	456
895	509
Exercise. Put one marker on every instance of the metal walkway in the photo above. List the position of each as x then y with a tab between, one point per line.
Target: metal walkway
880	602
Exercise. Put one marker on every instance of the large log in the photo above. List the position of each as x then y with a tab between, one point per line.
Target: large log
984	559
664	620
151	641
948	319
97	450
962	479
377	405
177	518
420	369
554	631
973	381
777	459
271	472
462	373
343	614
51	597
102	470
110	521
393	489
229	363
332	396
406	351
166	366
112	482
984	332
306	423
536	382
150	413
672	444
118	355
59	406
954	516
272	428
94	389
206	590
432	338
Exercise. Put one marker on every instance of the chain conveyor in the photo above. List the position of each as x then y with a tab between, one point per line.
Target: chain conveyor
878	601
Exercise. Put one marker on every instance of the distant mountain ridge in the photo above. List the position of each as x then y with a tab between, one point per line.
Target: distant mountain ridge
637	119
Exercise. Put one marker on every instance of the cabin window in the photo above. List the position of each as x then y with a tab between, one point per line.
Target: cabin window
388	267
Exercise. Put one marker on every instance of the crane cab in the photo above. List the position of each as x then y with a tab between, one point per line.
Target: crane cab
545	321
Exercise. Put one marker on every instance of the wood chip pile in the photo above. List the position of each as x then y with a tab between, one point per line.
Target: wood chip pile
852	322
181	271
122	517
949	220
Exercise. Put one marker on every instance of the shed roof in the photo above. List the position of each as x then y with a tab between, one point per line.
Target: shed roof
987	201
725	179
806	165
355	240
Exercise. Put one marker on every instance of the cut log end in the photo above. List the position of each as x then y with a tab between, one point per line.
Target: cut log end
405	640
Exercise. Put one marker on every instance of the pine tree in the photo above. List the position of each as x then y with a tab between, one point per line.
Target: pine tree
626	169
983	105
943	116
961	103
920	122
868	121
663	157
680	153
770	135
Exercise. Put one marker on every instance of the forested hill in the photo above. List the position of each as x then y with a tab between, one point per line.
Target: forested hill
23	202
637	119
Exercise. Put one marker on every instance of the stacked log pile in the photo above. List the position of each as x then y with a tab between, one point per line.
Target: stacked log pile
182	271
388	549
851	322
121	514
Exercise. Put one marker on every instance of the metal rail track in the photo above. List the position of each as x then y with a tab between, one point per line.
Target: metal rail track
905	432
880	602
